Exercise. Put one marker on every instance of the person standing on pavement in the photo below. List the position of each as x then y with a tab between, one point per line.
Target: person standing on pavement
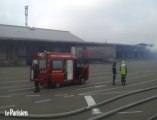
114	72
123	70
35	68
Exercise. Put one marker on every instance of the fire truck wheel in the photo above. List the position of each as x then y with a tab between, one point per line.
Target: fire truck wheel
58	85
82	81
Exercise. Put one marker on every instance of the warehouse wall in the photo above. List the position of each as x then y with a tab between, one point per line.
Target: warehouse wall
20	52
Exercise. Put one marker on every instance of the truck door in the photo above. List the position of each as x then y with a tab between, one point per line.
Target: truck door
69	69
57	72
82	69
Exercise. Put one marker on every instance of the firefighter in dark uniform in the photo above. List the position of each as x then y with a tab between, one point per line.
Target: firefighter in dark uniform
123	70
114	72
35	68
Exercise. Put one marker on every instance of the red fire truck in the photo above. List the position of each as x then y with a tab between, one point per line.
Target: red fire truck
56	69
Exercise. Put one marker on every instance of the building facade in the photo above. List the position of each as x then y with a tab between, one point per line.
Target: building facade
18	43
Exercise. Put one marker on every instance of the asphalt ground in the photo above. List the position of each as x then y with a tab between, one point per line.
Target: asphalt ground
16	92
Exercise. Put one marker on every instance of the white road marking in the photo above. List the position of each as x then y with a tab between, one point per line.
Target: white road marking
14	81
133	73
139	76
91	87
118	76
68	96
130	112
113	92
99	78
6	96
60	94
8	106
20	94
117	71
101	73
42	101
32	95
96	111
15	86
99	82
16	94
90	101
117	87
21	89
111	80
15	76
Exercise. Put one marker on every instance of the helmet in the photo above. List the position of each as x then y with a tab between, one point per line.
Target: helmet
35	62
123	62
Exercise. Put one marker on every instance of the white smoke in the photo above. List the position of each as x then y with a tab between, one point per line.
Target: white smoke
153	48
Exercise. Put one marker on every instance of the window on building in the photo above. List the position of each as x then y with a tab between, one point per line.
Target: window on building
22	51
3	52
57	50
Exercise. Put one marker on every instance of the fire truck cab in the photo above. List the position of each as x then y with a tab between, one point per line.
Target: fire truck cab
56	69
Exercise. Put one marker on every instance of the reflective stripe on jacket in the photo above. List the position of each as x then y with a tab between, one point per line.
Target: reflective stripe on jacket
123	69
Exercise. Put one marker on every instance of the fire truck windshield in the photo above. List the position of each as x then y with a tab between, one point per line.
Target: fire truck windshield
57	64
42	63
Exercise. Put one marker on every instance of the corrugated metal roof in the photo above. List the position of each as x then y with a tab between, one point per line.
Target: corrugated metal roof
36	34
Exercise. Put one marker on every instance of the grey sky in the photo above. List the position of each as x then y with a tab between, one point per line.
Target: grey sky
114	21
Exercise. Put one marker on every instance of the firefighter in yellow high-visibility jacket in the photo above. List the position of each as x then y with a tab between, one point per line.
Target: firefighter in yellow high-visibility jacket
123	70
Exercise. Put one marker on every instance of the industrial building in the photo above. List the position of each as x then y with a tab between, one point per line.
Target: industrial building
17	43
